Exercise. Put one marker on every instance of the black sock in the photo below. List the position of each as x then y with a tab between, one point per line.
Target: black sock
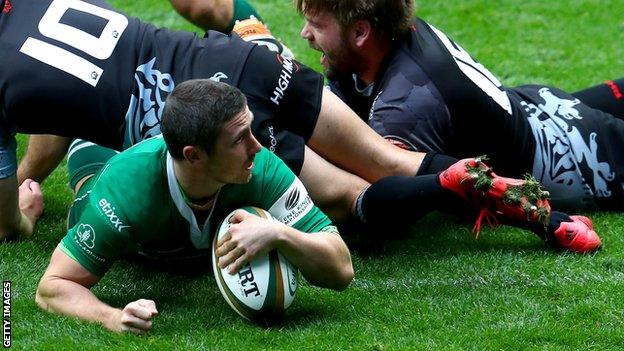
545	232
607	97
398	202
434	163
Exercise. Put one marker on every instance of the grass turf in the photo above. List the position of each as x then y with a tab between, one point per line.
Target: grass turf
437	288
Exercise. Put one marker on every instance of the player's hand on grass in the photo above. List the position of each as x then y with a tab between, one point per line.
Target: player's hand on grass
136	317
248	237
31	202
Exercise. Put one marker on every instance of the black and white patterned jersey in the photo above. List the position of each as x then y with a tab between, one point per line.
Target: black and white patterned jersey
431	95
82	69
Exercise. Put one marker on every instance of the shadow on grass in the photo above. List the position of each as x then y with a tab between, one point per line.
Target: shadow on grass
443	236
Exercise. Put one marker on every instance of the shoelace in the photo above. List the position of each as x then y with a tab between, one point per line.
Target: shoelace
489	217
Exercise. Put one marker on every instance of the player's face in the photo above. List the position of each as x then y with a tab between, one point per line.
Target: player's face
231	161
324	34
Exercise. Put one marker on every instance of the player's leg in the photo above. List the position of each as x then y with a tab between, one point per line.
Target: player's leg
331	188
218	15
470	185
607	97
43	155
84	159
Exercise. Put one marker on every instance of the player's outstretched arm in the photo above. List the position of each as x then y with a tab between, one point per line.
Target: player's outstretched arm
43	155
341	137
19	208
323	258
65	289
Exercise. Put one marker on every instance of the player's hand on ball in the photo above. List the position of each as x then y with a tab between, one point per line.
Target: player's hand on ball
137	316
248	237
31	200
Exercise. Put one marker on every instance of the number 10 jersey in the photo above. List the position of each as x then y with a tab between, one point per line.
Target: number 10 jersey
81	69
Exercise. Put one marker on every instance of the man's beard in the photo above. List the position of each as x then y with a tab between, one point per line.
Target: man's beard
344	65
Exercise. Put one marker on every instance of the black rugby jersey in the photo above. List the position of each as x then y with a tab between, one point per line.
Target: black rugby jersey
430	95
83	69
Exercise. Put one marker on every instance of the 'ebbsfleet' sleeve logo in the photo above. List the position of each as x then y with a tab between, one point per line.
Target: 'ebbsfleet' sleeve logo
293	205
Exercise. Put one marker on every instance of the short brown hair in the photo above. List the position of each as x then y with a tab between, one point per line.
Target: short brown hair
195	111
391	17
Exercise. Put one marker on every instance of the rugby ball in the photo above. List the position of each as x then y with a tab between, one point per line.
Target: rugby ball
263	288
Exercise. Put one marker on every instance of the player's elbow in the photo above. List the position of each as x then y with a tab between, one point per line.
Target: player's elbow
43	294
341	277
345	277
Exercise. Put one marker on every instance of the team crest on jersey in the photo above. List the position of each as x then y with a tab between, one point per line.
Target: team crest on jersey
146	107
400	142
86	235
218	76
561	149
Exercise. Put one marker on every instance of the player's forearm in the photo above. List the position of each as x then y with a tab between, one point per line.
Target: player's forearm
68	298
43	155
323	258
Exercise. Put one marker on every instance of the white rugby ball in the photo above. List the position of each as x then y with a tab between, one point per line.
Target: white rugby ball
263	288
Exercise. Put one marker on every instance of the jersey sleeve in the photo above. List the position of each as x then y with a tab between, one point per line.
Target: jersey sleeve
94	242
411	115
286	199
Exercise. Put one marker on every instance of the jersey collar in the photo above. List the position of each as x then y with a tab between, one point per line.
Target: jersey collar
200	238
360	87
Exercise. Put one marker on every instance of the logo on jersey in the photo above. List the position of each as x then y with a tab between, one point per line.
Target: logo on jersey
475	71
400	142
272	138
617	93
109	212
292	199
86	235
146	108
293	205
561	150
289	67
218	76
7	6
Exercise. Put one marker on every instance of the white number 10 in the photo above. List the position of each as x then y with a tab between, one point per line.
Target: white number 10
100	47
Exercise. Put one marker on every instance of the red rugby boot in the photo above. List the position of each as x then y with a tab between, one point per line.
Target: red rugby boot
576	236
495	196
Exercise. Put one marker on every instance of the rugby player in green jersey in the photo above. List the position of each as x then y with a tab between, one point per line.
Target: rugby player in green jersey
164	197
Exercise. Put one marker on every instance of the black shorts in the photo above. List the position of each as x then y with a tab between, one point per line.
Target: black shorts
285	107
578	150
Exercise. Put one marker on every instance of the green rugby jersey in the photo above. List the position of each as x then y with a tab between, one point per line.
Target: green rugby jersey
135	205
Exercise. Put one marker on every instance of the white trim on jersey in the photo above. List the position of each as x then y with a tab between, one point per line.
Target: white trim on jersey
199	238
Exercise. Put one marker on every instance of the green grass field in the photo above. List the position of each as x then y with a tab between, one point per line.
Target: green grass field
438	288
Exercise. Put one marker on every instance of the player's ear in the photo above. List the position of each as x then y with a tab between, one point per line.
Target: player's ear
191	154
360	32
